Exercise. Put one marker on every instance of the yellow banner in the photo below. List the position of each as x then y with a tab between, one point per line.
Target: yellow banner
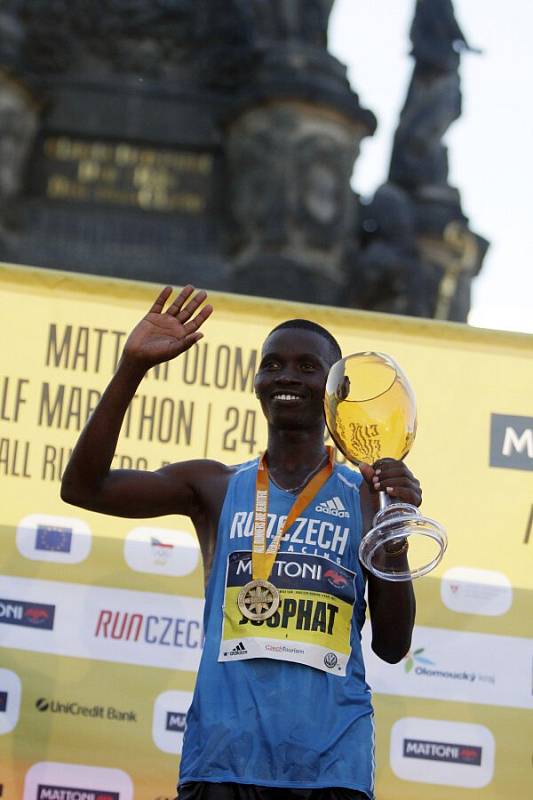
101	618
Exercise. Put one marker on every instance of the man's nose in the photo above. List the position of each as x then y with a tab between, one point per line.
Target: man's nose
288	374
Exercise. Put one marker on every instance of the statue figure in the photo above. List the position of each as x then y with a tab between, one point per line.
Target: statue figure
419	158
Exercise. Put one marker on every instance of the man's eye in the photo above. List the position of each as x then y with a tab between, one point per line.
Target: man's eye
308	366
270	364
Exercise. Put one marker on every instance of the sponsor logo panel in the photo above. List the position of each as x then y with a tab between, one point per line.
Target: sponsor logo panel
10	696
442	752
454	665
106	624
47	537
476	591
162	552
168	724
74	708
49	792
51	780
511	441
28	615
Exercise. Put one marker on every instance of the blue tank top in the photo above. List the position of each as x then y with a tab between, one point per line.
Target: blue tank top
273	722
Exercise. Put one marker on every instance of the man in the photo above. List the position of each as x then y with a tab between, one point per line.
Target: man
281	708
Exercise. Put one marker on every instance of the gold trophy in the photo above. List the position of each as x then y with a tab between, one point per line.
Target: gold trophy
370	412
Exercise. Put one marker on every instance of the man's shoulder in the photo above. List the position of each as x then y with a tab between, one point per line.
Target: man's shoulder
348	476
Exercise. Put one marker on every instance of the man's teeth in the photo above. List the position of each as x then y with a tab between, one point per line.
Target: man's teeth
286	397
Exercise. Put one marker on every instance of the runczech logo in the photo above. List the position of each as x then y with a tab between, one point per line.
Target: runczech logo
3	701
330	660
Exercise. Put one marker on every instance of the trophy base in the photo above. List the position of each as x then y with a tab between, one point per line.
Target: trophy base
403	544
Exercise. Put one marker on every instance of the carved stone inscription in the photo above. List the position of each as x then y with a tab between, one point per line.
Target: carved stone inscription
122	174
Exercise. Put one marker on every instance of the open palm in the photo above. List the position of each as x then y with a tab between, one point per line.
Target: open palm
163	335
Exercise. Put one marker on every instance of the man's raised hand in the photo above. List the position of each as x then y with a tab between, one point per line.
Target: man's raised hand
163	335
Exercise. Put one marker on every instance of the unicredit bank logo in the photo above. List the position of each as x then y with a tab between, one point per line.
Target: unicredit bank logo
47	792
51	780
29	615
511	441
442	752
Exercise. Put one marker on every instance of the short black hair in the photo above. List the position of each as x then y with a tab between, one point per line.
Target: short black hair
314	327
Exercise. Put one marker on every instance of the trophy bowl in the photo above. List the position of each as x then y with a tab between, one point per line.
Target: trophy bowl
370	411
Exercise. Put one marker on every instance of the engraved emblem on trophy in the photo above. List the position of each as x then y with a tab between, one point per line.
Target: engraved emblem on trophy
370	413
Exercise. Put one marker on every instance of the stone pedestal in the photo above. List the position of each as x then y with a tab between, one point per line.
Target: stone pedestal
291	205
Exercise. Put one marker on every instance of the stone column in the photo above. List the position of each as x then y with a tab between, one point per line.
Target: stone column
292	208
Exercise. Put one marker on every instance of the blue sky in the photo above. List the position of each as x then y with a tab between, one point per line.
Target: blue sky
490	147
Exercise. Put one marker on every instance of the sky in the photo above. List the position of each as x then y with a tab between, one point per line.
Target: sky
490	146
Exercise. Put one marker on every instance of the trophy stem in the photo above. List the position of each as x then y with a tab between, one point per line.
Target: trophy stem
384	501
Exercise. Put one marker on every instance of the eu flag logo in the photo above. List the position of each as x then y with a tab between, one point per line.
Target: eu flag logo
53	538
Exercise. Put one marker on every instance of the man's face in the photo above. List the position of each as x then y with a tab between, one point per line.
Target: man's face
291	378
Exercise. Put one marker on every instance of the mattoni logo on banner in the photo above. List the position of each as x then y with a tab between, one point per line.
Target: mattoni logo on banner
442	752
107	624
168	725
10	695
51	780
161	551
455	665
511	441
44	537
26	615
466	590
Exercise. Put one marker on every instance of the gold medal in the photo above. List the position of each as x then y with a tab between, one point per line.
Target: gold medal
258	600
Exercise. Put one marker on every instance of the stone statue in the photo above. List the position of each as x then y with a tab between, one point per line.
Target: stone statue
433	102
417	252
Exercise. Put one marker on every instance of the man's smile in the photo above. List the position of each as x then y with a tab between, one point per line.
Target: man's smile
286	397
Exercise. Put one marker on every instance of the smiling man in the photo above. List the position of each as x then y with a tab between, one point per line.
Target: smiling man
281	708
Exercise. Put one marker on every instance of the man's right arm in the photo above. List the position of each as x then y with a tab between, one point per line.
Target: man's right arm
89	481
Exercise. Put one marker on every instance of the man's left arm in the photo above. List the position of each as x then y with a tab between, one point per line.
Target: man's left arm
391	603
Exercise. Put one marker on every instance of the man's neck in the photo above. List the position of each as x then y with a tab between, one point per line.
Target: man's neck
294	453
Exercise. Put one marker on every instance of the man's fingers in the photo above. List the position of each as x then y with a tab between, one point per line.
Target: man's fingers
174	309
198	320
194	303
160	301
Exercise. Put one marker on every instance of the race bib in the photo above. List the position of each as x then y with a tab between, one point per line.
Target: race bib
312	624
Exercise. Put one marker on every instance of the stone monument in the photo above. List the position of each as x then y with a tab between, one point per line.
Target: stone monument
214	141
